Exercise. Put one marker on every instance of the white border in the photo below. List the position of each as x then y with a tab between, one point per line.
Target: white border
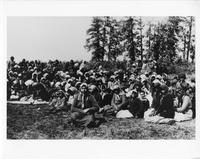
38	149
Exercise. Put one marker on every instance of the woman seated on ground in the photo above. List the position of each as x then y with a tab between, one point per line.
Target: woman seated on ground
106	97
166	107
58	101
95	92
164	114
40	91
156	95
184	109
118	99
83	108
72	91
145	102
133	107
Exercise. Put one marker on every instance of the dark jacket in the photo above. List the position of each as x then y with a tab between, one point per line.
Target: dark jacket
135	106
166	107
107	99
89	102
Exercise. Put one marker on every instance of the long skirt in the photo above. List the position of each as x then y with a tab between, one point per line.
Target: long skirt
82	120
179	117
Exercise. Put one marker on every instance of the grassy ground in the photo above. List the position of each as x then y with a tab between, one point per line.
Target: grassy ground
33	122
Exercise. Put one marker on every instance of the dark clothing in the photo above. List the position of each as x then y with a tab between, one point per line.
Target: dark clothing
78	116
89	102
135	106
156	101
107	99
80	119
40	91
166	108
98	98
193	107
145	104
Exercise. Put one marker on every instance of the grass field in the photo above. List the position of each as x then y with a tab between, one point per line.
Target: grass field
34	122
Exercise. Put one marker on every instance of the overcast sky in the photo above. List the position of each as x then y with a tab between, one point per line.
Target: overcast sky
47	38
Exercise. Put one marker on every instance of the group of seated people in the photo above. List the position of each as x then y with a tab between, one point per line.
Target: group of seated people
88	94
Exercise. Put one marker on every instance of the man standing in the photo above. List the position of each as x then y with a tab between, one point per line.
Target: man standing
11	62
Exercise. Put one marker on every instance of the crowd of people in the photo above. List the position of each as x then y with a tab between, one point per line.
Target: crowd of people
86	93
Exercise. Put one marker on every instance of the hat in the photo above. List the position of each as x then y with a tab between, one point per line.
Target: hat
72	89
115	87
93	77
156	81
142	76
15	82
174	81
67	76
43	79
76	65
132	77
112	77
45	75
57	84
156	84
158	77
134	91
16	66
182	75
69	80
28	82
92	87
80	73
184	85
131	92
83	85
133	64
164	87
77	84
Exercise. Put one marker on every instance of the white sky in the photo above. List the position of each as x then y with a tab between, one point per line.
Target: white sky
47	38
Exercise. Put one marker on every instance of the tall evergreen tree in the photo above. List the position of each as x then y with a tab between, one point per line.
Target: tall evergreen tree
129	35
149	40
114	38
140	37
95	42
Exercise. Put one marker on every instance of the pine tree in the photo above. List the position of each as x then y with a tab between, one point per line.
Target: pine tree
130	33
114	38
140	38
96	39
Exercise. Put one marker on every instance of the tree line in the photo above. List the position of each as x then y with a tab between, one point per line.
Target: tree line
110	37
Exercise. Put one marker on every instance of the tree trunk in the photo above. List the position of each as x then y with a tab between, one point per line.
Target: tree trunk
189	40
141	46
184	48
109	48
104	42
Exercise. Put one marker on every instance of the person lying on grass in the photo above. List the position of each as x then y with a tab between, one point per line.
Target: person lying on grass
83	108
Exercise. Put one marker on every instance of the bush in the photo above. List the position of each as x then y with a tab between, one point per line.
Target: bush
111	66
176	67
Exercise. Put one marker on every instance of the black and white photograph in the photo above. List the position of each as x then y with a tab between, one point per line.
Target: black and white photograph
101	77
